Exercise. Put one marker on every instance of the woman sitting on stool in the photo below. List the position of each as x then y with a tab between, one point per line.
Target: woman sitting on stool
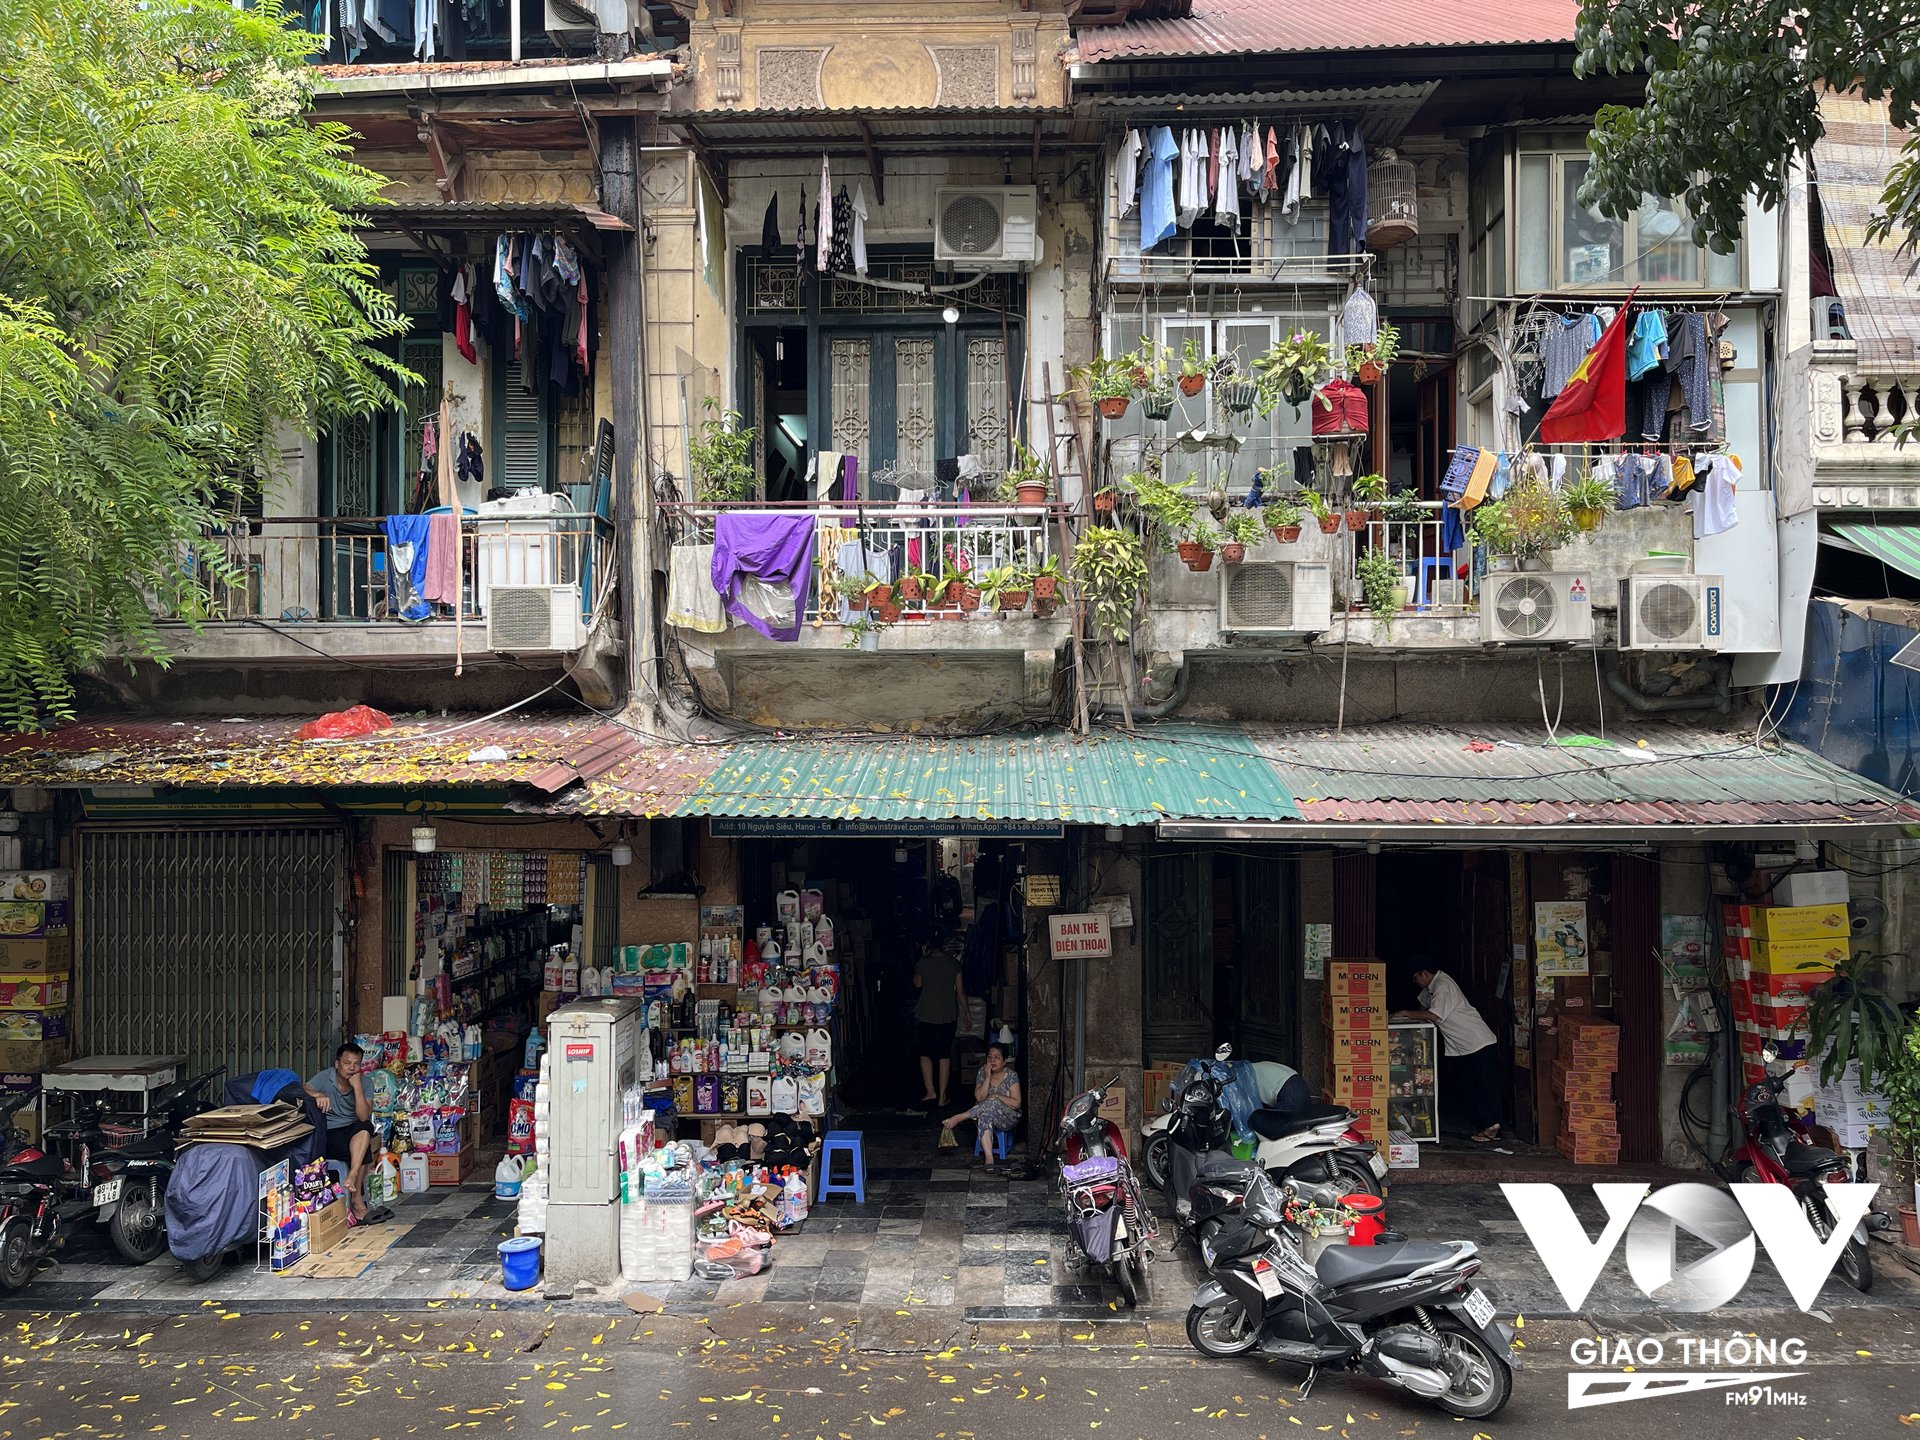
997	1093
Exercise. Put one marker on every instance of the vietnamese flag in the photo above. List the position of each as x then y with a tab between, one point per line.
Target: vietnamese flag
1593	404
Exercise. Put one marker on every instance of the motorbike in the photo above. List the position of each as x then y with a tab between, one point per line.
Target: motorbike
131	1202
1406	1313
1774	1152
1108	1223
30	1202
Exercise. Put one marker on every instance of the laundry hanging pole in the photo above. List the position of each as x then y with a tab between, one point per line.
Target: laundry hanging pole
450	496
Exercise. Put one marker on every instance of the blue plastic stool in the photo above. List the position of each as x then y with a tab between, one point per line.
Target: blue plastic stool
1433	569
1003	1143
848	1143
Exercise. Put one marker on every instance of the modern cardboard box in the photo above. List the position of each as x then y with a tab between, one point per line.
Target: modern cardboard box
1801	922
1344	1047
450	1169
1797	957
1351	1012
45	954
31	991
326	1227
1346	1092
1370	1118
29	919
1371	1070
1357	977
36	884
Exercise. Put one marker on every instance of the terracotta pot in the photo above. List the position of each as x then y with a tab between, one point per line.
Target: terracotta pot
1013	600
1195	556
1192	384
888	612
1233	553
1032	494
910	589
1369	372
857	602
968	597
1588	517
1910	1225
1141	376
1286	534
1330	524
1103	502
1112	407
1046	587
877	596
1357	521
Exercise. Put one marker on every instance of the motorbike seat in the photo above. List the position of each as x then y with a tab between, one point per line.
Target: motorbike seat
147	1147
1277	1124
1811	1160
1225	1167
43	1167
1350	1264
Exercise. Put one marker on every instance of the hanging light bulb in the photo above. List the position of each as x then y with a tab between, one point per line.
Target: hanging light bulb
425	839
951	314
621	854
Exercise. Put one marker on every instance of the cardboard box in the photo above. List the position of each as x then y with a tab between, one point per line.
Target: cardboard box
1769	991
1811	887
1114	1107
31	991
1361	979
36	1056
1344	1047
1402	1153
1801	922
33	1024
1349	1092
326	1227
1798	957
36	884
1573	993
30	919
1156	1083
450	1169
1369	1118
1371	1070
1353	1012
44	955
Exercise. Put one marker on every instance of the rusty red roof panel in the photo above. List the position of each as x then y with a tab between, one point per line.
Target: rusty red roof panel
1265	27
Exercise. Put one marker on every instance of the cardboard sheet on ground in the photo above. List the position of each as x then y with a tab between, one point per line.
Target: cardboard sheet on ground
363	1245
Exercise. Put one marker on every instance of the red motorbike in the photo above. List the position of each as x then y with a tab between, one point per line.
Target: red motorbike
1108	1223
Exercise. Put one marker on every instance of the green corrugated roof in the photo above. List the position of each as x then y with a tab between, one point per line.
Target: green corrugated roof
1895	545
1104	779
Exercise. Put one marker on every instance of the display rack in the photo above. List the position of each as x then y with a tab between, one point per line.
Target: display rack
1413	1080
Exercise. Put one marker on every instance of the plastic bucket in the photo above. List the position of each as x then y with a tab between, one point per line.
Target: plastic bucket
520	1262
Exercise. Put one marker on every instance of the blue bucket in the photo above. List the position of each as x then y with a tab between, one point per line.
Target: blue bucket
520	1262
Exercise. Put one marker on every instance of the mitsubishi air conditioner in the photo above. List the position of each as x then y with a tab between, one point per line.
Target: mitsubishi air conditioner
1527	607
1276	597
523	618
986	227
1670	612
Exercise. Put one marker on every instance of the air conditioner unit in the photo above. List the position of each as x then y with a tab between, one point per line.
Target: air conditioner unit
1276	597
1526	607
986	227
521	618
570	17
1670	612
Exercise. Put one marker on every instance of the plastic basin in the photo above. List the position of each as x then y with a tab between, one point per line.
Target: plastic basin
520	1262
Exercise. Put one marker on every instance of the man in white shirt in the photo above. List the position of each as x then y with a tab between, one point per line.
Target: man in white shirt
1473	1057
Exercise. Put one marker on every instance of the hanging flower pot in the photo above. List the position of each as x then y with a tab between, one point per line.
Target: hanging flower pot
1043	609
1286	534
910	590
1195	556
1031	492
1141	377
1012	601
1191	385
1369	372
1158	406
857	600
1330	524
1357	521
888	611
968	597
1046	587
1298	390
1238	396
1233	552
1103	502
1588	517
878	596
1112	407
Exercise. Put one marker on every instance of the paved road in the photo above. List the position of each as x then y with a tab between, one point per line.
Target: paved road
794	1373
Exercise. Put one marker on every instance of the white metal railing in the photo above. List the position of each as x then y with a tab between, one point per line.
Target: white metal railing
1434	578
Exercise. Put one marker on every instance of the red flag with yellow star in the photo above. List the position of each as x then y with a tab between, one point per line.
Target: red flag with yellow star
1593	403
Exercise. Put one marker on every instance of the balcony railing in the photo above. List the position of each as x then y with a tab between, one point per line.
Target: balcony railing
1435	584
914	538
1863	419
300	570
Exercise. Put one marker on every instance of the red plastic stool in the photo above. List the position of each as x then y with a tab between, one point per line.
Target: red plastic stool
1370	1220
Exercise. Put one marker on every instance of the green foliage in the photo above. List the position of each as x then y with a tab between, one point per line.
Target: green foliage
1370	488
1380	574
1590	492
1900	1083
721	456
1850	1018
1167	510
1531	521
1110	569
1732	100
1246	527
177	280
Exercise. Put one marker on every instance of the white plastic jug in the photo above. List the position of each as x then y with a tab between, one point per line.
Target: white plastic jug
507	1176
413	1174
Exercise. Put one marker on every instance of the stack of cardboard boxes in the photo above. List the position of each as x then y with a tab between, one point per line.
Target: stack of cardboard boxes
1354	1007
1777	956
1586	1056
36	968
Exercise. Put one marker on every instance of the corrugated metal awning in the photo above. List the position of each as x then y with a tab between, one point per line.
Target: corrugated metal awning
1895	545
1269	27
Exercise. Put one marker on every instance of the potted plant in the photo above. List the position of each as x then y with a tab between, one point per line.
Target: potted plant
886	608
1404	509
1006	588
1193	368
1110	569
1329	519
1850	1018
878	593
1108	383
863	634
1243	528
1383	584
1237	392
913	587
1291	368
1370	490
1167	509
1367	363
1283	518
965	594
1590	498
1026	479
1900	1084
1527	524
1196	550
1046	578
852	589
721	456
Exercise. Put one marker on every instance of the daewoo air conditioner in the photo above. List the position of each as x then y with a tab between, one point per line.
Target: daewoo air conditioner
1276	597
525	618
1530	607
1662	611
978	227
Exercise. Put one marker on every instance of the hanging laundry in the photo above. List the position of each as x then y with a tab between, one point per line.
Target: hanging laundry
692	602
429	441
1157	218
471	464
1126	169
773	548
1648	347
1290	164
770	226
407	537
463	315
800	241
441	585
1692	365
1213	168
1251	158
823	220
859	229
1592	405
1270	167
1712	503
1683	477
1226	195
1346	169
1304	165
1193	171
840	260
1360	318
1565	344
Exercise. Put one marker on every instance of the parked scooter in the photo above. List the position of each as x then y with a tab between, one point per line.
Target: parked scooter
1108	1222
1773	1152
131	1203
1405	1313
30	1202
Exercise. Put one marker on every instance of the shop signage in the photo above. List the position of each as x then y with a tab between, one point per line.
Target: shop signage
1080	937
796	826
579	1050
1043	890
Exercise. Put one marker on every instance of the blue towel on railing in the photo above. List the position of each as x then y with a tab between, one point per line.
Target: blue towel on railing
407	544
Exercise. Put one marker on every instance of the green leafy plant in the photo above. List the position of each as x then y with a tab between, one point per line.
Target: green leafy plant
1110	569
1246	527
1590	492
1192	362
1850	1018
1167	510
1102	378
1530	521
1279	514
1900	1084
1205	536
1047	569
1371	488
1291	368
1316	504
1404	509
1003	582
721	456
1380	577
1024	468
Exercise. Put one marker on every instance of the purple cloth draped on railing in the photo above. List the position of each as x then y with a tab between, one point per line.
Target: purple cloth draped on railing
775	546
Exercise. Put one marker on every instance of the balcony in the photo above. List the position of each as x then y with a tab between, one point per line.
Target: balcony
314	590
981	663
1861	418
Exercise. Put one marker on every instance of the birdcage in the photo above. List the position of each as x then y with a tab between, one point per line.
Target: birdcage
1393	202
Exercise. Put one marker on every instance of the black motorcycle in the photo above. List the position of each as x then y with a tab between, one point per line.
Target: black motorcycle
132	1201
1405	1313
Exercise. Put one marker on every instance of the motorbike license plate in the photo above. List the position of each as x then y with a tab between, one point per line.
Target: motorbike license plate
106	1194
1478	1307
1378	1164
